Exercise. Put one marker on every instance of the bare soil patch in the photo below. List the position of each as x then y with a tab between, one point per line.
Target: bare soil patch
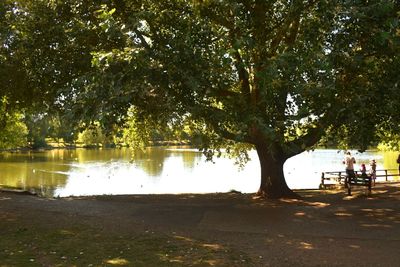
322	228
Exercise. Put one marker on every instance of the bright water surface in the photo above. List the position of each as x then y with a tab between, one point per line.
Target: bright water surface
160	170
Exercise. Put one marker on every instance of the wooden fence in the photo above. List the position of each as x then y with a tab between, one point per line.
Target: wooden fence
338	177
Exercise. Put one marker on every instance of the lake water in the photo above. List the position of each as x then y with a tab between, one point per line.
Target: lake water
160	170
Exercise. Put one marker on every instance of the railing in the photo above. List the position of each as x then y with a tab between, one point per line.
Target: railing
339	176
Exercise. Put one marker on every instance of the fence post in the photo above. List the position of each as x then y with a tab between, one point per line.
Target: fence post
345	180
322	186
386	176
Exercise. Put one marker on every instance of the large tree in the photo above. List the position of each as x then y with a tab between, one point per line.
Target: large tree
276	76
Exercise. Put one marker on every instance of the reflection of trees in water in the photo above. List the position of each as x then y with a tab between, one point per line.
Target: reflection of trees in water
152	160
189	157
24	156
45	171
38	177
39	171
53	155
96	154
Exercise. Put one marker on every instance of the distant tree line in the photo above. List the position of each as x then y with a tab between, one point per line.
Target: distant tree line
44	130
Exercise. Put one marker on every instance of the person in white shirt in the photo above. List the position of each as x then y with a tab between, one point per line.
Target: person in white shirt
349	161
372	170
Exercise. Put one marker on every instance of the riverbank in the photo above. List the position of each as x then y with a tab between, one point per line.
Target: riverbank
323	228
76	145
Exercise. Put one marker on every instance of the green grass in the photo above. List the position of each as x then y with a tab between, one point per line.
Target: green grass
36	245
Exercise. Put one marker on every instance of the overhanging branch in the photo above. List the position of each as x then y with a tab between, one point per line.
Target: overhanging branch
305	141
216	118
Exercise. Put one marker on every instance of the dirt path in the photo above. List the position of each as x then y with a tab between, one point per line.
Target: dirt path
324	228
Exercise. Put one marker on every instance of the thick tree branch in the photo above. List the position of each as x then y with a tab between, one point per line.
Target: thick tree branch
219	128
292	34
227	22
243	75
142	39
289	27
306	141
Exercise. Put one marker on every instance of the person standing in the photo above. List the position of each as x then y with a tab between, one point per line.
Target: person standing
398	162
349	161
372	170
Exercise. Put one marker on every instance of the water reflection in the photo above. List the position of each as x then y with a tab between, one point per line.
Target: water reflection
160	170
41	172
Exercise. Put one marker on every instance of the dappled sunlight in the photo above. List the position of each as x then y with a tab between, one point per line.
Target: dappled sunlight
301	216
382	214
305	245
191	255
375	225
343	214
182	260
213	246
208	230
66	232
355	196
177	259
291	243
205	245
183	238
207	262
378	210
212	262
291	200
375	191
300	244
118	261
308	203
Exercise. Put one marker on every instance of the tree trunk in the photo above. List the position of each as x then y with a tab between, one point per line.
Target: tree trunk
273	183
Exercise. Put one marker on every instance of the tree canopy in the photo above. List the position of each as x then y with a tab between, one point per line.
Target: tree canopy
13	132
277	76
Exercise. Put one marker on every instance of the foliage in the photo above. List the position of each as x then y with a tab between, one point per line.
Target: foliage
92	135
140	131
365	62
389	142
277	76
326	76
13	131
137	131
46	47
42	125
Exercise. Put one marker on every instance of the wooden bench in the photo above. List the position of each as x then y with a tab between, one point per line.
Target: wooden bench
359	180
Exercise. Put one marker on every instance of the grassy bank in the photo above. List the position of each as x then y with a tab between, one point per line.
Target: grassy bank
35	244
